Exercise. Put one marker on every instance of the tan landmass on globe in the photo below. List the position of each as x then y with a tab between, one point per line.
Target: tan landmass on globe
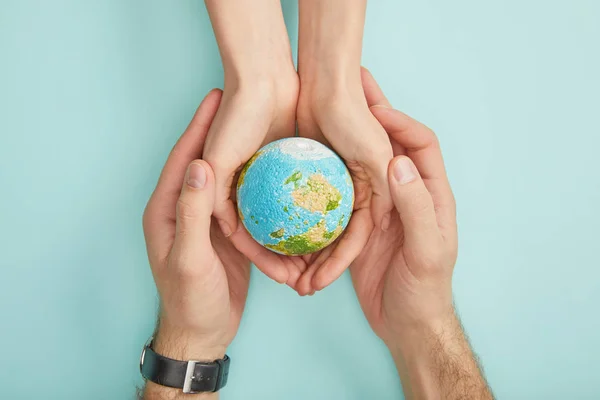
314	239
318	195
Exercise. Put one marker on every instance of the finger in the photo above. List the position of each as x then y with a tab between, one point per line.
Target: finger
375	98
271	264
194	210
234	137
423	148
304	285
348	247
190	144
225	210
159	215
296	273
376	165
373	92
414	205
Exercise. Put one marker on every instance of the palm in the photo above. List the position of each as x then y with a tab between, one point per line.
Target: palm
318	274
395	268
378	269
244	122
203	281
235	272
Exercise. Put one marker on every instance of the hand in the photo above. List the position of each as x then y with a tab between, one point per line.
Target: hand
258	107
343	121
403	276
332	109
245	121
202	280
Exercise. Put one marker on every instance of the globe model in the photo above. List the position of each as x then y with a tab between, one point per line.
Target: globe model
295	196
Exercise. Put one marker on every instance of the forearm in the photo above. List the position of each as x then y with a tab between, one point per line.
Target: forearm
436	362
252	39
330	41
183	346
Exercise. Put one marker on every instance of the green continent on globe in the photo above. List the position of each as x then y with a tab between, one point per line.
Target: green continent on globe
277	234
314	239
294	178
318	195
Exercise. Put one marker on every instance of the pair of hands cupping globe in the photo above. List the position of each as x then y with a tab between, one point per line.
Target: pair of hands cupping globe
295	196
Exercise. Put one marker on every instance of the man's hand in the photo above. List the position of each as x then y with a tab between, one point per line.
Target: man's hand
258	107
201	278
332	109
403	276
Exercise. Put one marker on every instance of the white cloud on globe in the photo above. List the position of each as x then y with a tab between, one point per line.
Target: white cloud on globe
305	149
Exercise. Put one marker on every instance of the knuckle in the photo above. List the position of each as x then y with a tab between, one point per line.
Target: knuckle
425	129
426	136
379	154
432	260
346	238
186	268
186	210
420	204
189	272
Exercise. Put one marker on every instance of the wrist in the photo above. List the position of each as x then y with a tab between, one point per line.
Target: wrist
181	344
274	87
419	336
325	83
330	42
330	101
435	359
252	39
268	70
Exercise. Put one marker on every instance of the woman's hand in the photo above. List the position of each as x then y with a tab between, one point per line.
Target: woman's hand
258	106
247	119
332	109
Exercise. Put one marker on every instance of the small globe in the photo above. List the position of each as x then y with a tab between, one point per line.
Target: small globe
295	196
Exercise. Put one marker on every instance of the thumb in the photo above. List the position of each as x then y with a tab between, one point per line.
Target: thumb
194	209
414	204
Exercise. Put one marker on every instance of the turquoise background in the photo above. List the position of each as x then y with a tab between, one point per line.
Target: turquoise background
94	93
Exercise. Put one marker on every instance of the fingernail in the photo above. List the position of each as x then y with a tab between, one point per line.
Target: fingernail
225	228
385	223
196	176
403	171
380	106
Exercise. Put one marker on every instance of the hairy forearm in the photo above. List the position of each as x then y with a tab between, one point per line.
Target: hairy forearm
436	362
252	38
183	346
330	41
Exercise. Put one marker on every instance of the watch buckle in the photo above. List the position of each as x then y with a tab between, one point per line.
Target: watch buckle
189	377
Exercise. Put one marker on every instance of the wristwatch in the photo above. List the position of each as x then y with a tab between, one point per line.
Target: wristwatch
190	376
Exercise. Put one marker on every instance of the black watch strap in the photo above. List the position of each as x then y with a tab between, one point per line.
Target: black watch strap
190	376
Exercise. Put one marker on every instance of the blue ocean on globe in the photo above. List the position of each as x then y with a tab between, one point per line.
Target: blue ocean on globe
295	196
